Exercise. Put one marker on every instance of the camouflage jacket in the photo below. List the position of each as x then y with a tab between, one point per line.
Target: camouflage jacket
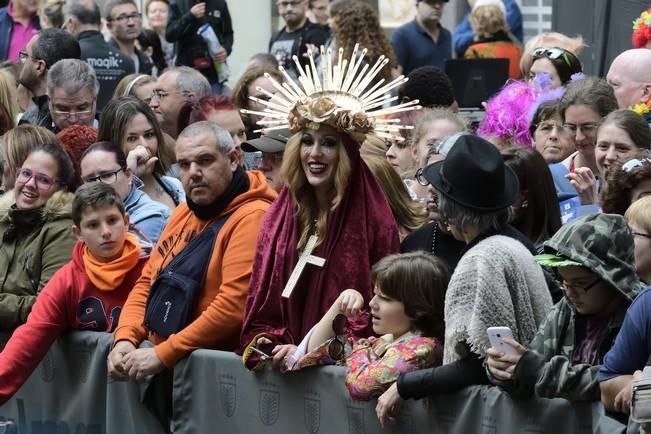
603	244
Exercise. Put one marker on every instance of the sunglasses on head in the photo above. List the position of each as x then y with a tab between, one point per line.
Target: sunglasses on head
553	54
632	164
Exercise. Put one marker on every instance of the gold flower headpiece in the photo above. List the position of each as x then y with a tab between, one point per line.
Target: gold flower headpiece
345	99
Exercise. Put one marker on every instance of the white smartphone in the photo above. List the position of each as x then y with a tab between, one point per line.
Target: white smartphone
496	337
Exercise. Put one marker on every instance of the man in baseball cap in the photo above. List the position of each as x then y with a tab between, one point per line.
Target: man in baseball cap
272	145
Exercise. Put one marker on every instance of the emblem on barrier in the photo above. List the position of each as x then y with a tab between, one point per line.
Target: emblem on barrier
355	418
228	394
81	360
312	411
47	368
269	408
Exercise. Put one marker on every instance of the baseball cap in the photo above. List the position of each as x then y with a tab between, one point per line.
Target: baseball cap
271	141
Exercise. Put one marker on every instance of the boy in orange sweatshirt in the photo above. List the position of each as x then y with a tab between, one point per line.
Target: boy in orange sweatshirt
87	293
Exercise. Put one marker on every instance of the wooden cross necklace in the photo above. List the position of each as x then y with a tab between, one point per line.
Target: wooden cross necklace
306	258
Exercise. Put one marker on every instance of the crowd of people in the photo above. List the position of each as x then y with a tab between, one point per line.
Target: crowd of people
334	207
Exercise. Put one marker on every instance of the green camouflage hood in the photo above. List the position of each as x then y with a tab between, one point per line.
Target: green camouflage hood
603	244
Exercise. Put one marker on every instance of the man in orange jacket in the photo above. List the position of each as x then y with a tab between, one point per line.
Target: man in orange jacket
215	185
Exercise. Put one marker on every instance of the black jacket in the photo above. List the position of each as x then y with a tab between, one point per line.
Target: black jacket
310	33
182	29
39	113
110	65
146	66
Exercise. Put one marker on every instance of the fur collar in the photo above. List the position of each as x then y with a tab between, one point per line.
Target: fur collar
58	205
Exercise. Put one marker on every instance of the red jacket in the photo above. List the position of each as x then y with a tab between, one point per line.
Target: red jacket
69	301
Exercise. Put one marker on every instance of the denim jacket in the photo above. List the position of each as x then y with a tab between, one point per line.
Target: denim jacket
146	213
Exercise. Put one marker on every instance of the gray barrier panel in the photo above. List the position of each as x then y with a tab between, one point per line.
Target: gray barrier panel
70	393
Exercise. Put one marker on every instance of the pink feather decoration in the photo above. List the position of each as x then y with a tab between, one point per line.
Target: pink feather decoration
507	114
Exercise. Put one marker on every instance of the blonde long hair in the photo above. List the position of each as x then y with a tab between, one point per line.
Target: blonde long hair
408	213
8	96
303	193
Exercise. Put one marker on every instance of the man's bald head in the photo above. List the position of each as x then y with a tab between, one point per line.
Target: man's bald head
630	77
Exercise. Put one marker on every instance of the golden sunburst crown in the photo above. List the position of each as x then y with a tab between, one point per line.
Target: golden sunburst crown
345	97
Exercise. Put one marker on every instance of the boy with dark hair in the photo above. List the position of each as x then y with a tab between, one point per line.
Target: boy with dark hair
85	294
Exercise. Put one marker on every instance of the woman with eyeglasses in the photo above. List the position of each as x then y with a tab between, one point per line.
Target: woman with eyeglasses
247	87
17	143
35	222
583	106
553	67
496	283
638	216
106	163
131	123
594	256
549	136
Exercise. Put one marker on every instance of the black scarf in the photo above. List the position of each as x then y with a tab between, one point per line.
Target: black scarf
239	184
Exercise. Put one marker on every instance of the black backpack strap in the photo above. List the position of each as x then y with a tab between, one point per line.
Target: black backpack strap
200	248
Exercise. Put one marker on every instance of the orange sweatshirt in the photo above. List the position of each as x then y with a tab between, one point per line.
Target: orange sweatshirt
217	319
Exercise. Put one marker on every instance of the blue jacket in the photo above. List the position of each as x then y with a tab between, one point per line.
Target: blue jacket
463	34
6	29
146	213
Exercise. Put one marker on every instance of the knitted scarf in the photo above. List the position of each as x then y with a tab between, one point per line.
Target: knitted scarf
497	283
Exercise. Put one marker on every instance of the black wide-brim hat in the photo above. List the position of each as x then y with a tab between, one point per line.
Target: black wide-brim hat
474	175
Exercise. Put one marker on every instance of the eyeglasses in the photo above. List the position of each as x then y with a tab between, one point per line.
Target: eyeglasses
566	285
106	177
553	54
632	164
548	127
126	18
587	129
421	178
42	181
23	55
83	114
286	4
162	94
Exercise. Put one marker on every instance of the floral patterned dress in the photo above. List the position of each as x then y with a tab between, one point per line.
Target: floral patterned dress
374	364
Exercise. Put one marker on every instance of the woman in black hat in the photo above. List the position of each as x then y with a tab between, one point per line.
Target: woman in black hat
497	282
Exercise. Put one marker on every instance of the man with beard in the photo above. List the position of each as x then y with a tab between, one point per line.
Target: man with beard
42	52
296	36
176	88
125	24
18	23
423	41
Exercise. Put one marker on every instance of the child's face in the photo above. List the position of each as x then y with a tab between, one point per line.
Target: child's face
389	315
103	230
